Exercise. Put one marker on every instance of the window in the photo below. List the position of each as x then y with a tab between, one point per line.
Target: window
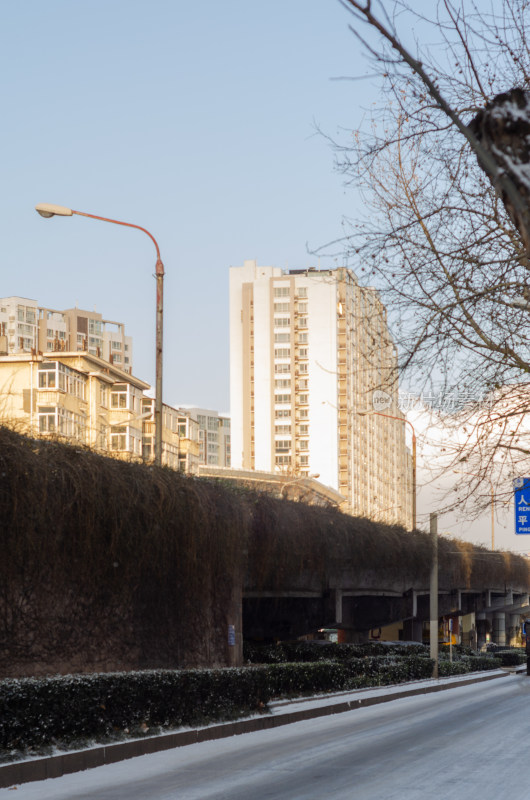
282	412
282	368
282	445
303	368
103	395
282	429
116	345
302	308
303	399
281	291
118	396
47	375
281	307
304	413
282	322
282	337
302	383
116	358
304	429
282	352
282	398
282	383
304	461
102	437
49	333
118	437
302	322
302	291
283	460
302	338
304	444
47	419
94	326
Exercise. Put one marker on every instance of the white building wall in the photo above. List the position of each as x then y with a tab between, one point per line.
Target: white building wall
259	277
322	344
236	364
263	389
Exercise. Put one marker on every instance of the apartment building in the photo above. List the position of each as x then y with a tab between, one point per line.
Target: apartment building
310	353
180	437
76	397
27	326
214	436
80	398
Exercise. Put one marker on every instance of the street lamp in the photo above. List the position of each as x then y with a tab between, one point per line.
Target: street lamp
402	419
49	210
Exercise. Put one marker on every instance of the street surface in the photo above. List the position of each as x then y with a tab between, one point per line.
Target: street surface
465	743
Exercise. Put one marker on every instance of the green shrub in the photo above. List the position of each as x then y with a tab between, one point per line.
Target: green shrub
511	658
42	711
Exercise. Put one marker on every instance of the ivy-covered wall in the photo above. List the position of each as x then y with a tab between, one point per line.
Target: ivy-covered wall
108	565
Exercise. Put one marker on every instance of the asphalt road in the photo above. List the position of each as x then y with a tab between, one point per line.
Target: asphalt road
471	742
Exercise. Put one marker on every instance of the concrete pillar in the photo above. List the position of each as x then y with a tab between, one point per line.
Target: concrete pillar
482	626
514	631
499	627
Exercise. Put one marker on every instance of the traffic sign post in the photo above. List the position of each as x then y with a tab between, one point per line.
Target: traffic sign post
522	505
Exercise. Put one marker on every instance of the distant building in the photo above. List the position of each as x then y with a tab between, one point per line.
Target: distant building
26	326
180	437
309	351
214	436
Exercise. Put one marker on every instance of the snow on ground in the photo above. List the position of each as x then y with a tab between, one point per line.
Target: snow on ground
334	757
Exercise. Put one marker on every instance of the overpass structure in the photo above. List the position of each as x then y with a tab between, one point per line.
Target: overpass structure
365	605
301	488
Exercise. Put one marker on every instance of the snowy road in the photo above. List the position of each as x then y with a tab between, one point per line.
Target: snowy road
470	742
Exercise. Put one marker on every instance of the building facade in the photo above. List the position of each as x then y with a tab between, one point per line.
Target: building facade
26	326
81	399
76	397
311	362
214	436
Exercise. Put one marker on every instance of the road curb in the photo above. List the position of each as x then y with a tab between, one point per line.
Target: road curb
40	769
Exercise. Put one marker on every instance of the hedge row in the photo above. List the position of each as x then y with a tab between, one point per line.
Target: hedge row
66	709
37	711
322	651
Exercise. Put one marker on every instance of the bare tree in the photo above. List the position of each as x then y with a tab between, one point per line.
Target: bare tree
444	173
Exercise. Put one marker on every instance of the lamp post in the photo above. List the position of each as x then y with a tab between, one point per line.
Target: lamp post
402	419
50	210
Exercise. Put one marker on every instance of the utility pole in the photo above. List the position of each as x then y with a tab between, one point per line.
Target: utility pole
433	627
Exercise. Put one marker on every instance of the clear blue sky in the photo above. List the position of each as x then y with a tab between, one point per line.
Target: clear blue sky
195	120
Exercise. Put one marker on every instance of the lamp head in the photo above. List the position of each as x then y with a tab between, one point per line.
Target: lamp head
49	210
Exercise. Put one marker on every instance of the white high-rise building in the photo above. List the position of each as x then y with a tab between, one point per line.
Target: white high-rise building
311	361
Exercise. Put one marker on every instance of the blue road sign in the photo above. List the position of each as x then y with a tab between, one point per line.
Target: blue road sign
522	505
